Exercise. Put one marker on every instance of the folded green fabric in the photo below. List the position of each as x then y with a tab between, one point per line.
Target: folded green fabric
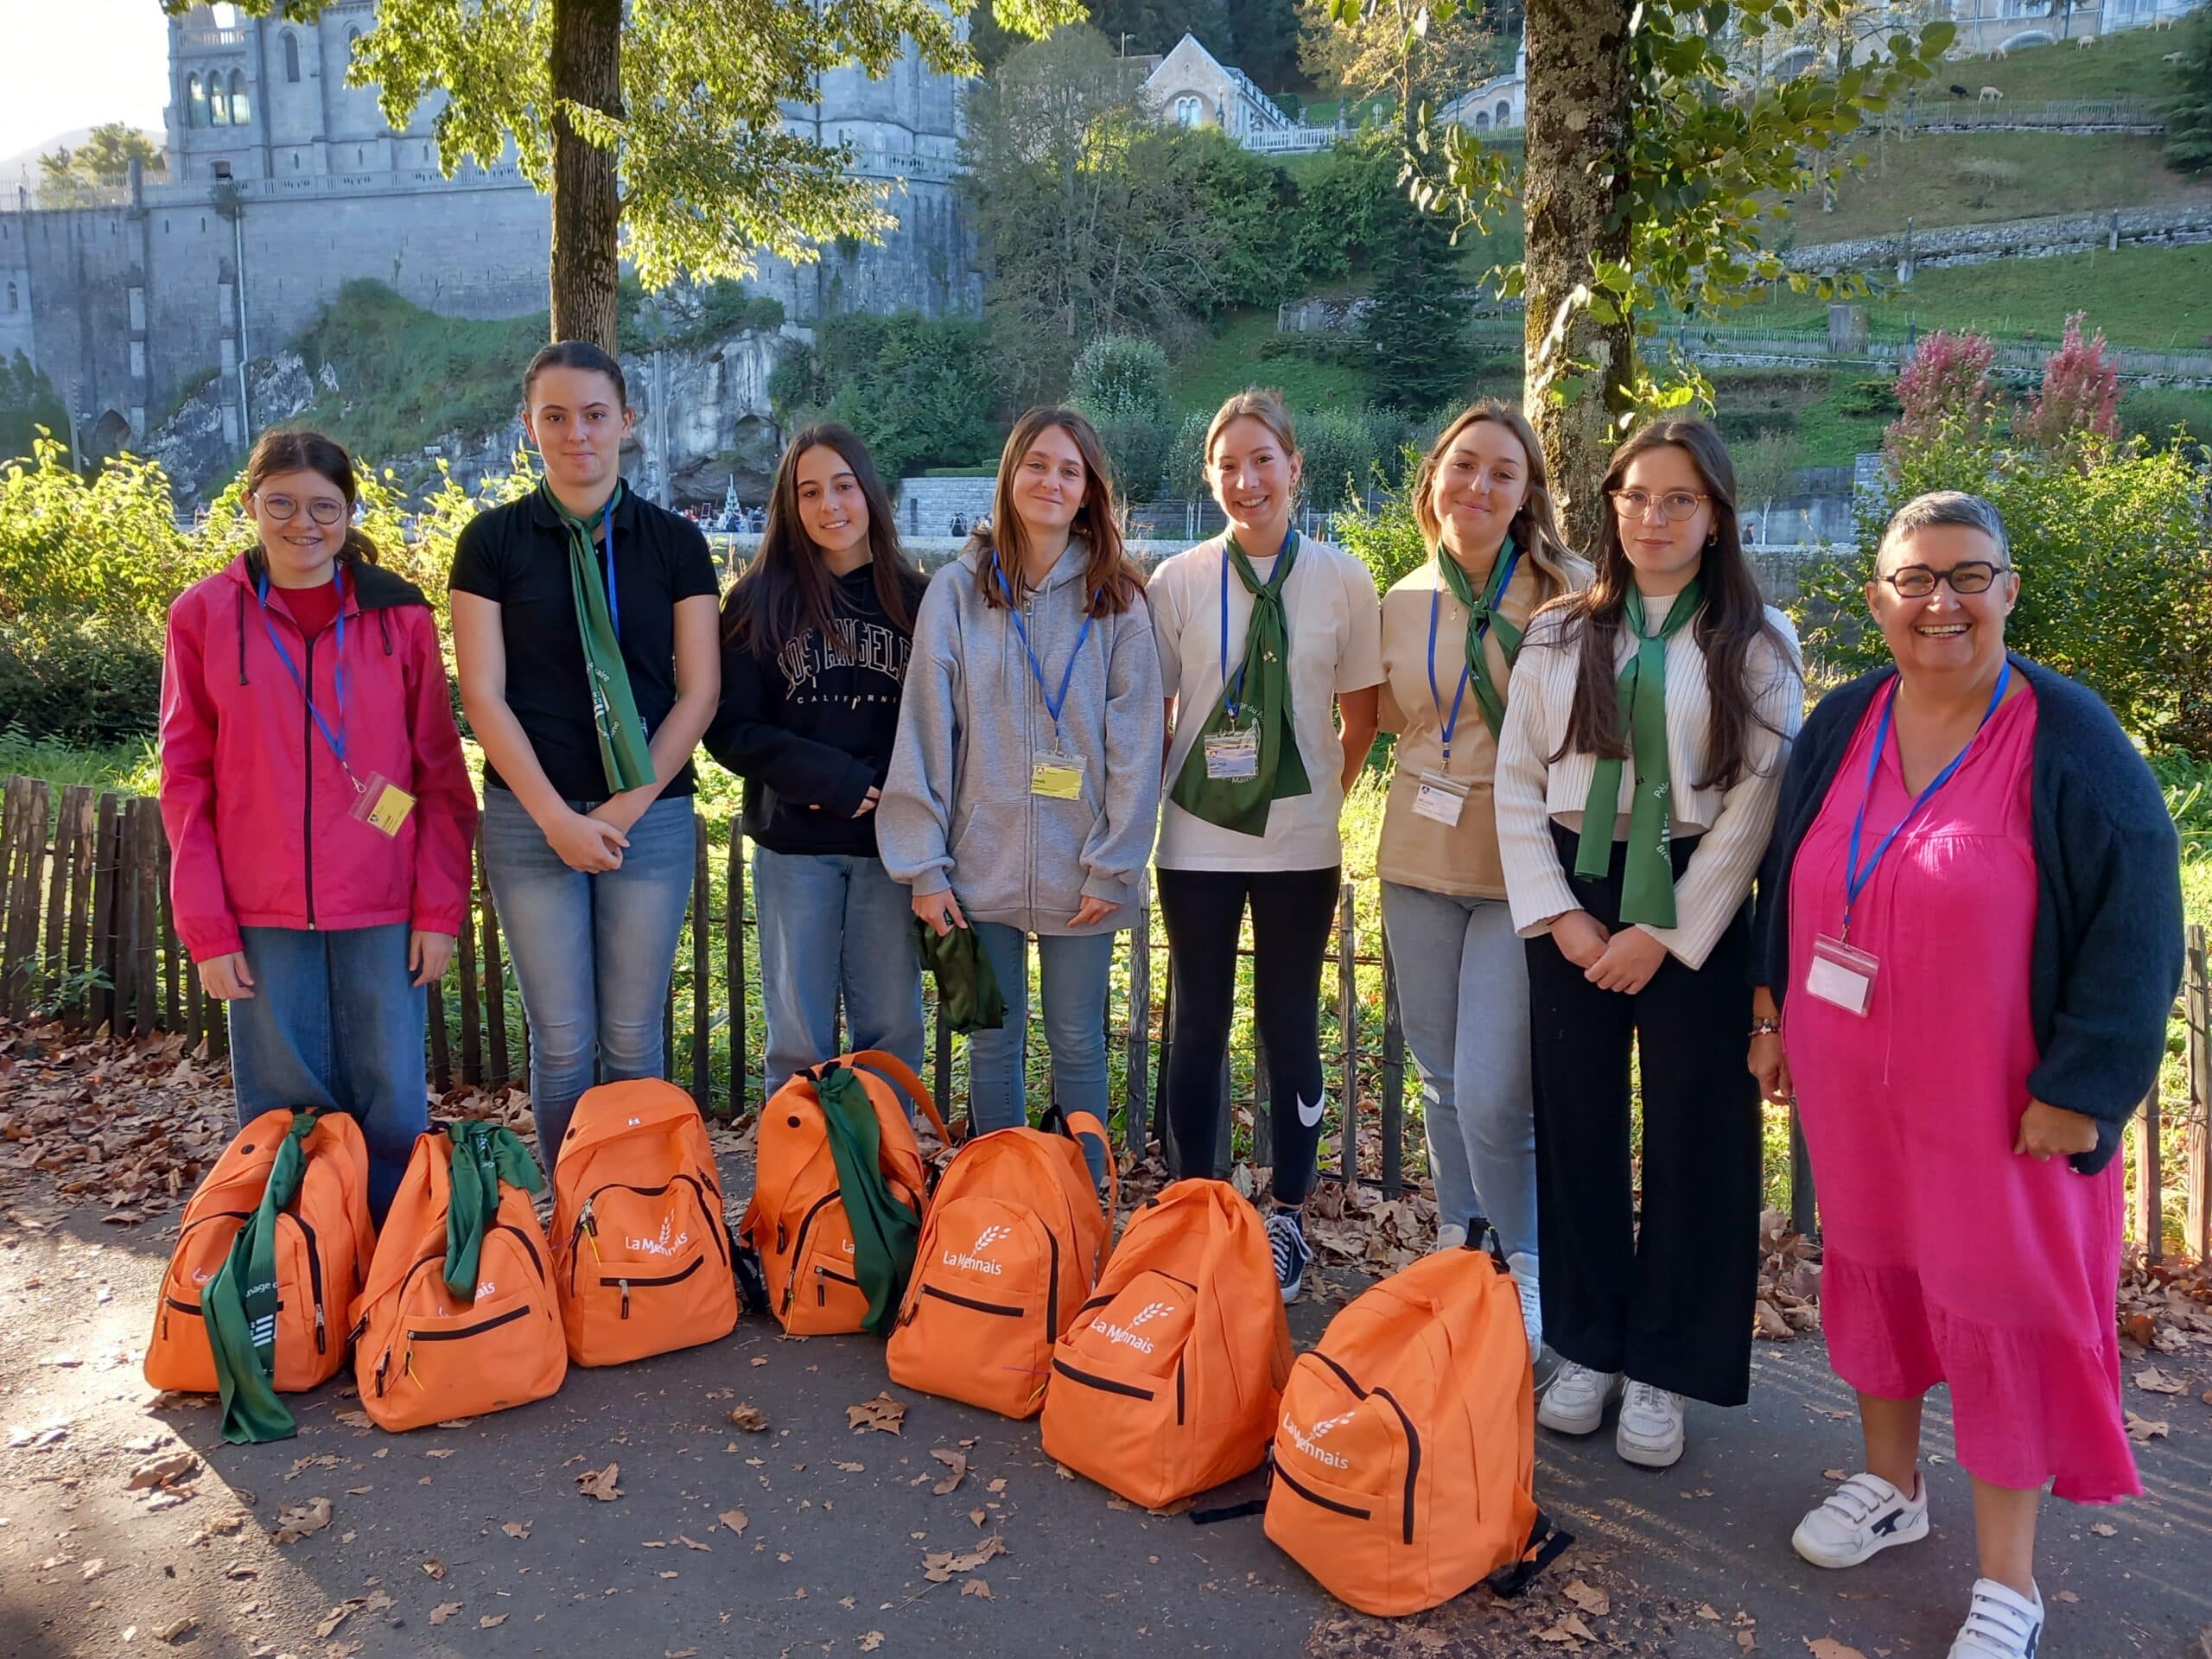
484	1154
967	990
885	1230
239	1306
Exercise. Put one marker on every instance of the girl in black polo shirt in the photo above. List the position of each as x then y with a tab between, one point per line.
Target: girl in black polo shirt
583	622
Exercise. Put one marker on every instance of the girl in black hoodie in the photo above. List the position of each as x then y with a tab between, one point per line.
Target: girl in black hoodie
815	639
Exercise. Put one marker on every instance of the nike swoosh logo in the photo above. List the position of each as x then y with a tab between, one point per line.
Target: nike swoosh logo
1310	1118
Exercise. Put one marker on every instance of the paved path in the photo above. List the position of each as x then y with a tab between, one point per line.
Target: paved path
1692	1561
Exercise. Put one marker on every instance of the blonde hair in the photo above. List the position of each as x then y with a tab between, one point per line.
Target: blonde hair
1263	405
1535	529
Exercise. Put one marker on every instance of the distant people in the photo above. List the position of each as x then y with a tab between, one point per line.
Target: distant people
1450	631
584	629
1024	792
1971	912
318	807
1258	770
814	640
959	524
1646	726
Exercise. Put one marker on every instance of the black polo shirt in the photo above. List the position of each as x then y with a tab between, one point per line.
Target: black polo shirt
517	556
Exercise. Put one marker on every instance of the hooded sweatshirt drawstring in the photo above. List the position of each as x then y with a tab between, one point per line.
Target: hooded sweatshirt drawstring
241	592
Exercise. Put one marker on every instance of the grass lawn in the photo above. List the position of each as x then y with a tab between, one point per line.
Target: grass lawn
1934	178
2158	299
2125	65
1233	359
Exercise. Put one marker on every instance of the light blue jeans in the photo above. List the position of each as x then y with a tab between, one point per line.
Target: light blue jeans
1463	993
592	953
335	1023
1075	970
831	923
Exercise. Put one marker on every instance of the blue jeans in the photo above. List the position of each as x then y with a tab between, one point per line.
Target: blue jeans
334	1024
831	923
1075	970
592	953
1463	992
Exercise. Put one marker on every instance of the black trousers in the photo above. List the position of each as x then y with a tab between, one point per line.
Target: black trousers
1291	913
1668	1302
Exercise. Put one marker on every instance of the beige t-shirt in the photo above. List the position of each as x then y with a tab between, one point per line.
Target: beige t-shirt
1336	645
1417	851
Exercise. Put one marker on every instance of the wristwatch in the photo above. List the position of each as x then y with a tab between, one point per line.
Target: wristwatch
1768	1027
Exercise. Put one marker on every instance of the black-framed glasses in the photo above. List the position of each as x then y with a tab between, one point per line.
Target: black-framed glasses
284	508
1967	577
1675	504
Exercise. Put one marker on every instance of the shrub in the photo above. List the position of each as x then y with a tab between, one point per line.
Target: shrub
2167	419
2080	396
1385	538
919	391
1945	390
1124	370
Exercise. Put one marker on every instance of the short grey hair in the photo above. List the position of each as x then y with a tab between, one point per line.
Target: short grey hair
1945	507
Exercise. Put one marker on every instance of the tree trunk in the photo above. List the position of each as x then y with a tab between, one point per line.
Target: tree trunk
1579	126
586	209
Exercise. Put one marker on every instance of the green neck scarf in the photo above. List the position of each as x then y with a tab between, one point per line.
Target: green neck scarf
1258	697
484	1154
885	1230
968	993
239	1306
1648	878
623	754
1482	615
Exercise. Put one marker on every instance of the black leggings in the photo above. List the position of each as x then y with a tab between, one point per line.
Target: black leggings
1291	913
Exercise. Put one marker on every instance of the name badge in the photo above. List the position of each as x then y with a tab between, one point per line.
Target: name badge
1840	974
1233	754
1440	798
1056	777
382	804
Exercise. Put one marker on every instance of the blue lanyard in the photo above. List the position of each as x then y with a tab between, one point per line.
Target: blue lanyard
1053	704
1237	701
614	596
337	738
1856	878
1466	670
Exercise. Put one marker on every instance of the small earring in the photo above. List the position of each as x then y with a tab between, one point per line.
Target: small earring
1712	537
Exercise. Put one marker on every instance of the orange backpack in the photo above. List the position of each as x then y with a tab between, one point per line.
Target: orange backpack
1013	1242
1405	1449
320	1254
797	1221
421	1354
641	1252
1166	1383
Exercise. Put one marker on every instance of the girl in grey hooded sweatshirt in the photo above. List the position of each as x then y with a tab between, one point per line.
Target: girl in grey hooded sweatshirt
1024	790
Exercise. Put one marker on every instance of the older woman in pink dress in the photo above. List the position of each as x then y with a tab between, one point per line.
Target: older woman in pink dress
1970	926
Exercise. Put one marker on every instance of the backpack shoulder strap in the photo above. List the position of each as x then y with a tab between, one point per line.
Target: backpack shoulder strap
899	1071
1078	1125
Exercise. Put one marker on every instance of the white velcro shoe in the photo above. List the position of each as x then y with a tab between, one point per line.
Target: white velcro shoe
2002	1623
1860	1518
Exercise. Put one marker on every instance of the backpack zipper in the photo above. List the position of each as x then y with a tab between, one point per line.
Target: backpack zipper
1093	1380
665	1279
314	1275
969	1302
1412	1436
822	1276
492	1323
798	1245
1310	1496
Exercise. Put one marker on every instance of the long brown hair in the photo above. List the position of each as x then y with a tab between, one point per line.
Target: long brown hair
1535	528
1110	579
308	452
787	588
1733	616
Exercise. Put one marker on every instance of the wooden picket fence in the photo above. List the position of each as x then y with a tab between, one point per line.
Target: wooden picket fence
86	933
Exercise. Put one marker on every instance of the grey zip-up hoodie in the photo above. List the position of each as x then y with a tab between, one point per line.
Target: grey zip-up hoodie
957	812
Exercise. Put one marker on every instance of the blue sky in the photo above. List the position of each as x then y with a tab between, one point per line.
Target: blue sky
79	62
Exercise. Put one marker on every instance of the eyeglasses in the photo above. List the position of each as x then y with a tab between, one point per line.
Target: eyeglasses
1970	576
282	508
1675	506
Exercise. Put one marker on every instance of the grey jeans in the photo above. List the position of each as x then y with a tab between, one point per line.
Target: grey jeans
1463	992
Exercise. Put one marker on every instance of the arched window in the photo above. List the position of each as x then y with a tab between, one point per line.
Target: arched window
1188	110
241	114
195	102
1482	120
291	56
218	106
15	299
1504	113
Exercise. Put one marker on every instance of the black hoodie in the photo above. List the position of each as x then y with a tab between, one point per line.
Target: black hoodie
811	729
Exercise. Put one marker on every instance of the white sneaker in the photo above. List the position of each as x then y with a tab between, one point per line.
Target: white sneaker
1292	1252
2002	1623
1575	1403
1523	1267
1651	1428
1449	1237
1861	1518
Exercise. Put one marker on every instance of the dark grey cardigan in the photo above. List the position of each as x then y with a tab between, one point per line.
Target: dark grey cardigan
2108	955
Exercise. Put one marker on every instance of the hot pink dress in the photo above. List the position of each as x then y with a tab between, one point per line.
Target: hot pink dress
1948	1257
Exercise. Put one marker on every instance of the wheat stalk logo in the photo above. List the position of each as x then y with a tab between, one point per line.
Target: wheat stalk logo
988	1238
1152	1310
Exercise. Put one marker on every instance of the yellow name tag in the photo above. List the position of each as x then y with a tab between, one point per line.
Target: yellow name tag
1057	777
388	808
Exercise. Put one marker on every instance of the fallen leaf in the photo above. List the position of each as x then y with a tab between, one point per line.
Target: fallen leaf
296	1521
162	1471
176	1628
996	1486
444	1610
749	1418
2142	1431
871	1642
1595	1603
1747	1641
339	1614
733	1520
2067	1596
693	1543
353	1419
600	1483
849	1468
980	1588
1827	1646
2151	1380
441	1452
978	1516
434	1567
882	1413
939	1565
2104	1530
491	1620
955	1463
514	1528
1834	1474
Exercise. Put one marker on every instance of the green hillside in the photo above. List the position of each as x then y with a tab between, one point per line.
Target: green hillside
2125	65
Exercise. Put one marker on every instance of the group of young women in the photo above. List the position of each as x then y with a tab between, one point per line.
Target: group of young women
1589	756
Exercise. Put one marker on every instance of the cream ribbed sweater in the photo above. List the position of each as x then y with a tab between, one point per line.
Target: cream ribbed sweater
1734	824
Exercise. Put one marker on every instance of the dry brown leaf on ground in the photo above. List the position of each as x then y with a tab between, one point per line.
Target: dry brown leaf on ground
444	1610
434	1567
2142	1431
296	1521
1595	1603
956	1463
491	1621
600	1483
938	1566
978	1587
514	1528
2151	1380
1827	1646
733	1520
338	1615
176	1628
750	1418
162	1471
871	1642
883	1413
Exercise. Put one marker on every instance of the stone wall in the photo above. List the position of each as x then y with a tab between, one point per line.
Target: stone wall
1962	244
